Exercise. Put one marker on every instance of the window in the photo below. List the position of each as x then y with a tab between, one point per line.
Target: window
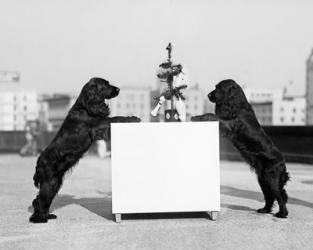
281	109
294	110
130	97
292	119
268	119
282	119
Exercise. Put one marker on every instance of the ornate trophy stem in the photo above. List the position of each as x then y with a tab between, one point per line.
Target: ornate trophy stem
170	77
173	75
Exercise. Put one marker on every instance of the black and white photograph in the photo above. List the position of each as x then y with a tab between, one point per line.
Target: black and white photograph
170	124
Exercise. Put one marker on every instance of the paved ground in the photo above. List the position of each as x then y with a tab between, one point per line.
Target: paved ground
85	220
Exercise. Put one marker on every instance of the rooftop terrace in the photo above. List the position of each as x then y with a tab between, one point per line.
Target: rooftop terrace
85	221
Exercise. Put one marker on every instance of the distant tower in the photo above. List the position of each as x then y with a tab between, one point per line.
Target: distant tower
309	90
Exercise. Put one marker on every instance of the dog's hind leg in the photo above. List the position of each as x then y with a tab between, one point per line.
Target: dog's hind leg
47	191
268	196
279	194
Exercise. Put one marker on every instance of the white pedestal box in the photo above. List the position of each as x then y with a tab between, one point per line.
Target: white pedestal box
165	167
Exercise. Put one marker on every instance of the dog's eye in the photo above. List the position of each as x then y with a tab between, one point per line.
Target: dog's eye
218	87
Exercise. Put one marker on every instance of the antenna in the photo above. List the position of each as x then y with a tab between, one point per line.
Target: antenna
169	51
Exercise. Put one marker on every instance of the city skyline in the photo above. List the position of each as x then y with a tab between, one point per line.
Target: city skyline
58	46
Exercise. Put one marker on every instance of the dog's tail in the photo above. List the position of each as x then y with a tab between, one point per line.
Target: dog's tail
37	177
283	180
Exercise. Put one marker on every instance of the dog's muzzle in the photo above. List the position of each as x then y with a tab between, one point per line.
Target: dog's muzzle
117	91
211	96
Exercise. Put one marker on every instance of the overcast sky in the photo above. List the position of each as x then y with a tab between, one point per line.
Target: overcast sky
58	45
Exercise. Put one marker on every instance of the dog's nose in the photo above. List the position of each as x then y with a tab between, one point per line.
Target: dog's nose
117	90
209	95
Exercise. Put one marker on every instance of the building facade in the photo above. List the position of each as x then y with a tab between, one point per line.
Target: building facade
263	95
195	101
285	112
289	111
309	90
263	112
58	107
16	108
132	101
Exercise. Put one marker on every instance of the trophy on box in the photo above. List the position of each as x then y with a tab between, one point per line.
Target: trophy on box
175	77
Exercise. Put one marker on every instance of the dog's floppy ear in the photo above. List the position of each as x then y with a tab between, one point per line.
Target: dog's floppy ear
92	101
226	112
233	103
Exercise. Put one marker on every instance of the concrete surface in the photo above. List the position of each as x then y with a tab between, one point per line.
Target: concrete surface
83	207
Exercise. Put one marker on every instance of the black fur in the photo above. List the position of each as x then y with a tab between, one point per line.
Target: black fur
86	122
239	123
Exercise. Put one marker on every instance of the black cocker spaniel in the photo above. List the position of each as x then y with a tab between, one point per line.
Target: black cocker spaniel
239	123
86	122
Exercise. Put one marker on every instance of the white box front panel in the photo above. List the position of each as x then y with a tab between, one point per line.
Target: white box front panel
165	167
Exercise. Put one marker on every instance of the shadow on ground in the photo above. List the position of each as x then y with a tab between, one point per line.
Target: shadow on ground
156	216
237	207
307	182
252	195
101	206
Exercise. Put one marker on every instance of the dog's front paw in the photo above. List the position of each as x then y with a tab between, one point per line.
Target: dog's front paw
52	217
134	119
210	117
264	210
36	218
195	118
282	215
205	117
